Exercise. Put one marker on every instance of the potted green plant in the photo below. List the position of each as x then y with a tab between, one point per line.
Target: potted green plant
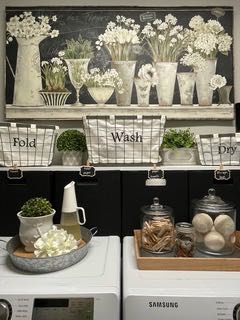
53	74
72	143
36	218
179	147
77	55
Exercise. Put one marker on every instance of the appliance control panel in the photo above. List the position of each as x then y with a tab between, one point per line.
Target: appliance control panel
187	308
25	308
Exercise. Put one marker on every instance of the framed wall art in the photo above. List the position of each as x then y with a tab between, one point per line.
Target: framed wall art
119	56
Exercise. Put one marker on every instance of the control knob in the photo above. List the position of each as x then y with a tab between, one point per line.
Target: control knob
236	312
5	310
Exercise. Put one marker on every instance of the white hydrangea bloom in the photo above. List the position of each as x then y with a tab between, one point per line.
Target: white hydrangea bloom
224	43
217	81
55	242
196	22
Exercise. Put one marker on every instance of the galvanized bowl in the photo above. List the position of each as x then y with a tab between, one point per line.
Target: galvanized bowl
49	264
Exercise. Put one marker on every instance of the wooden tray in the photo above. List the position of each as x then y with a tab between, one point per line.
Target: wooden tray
202	263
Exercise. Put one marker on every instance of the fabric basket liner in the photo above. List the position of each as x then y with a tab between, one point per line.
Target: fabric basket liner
219	149
26	144
124	139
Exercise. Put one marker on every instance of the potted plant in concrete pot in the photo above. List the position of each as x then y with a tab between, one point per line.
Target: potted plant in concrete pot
72	143
179	147
36	218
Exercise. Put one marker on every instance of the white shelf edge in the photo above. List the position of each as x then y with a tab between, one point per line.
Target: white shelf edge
69	112
125	168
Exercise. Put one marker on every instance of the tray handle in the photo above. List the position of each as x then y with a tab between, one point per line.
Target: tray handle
94	231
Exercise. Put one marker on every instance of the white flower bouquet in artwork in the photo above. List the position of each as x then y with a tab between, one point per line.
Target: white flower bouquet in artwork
101	84
27	26
166	39
209	38
120	38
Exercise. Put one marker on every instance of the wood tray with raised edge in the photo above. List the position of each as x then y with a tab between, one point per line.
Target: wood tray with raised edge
202	262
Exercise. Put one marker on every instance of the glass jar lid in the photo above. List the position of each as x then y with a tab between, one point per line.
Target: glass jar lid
157	209
213	203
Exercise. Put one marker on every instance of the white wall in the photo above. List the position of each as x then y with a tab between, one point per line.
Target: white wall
197	126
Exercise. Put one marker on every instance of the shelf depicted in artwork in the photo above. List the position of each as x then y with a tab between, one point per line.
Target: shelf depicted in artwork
175	112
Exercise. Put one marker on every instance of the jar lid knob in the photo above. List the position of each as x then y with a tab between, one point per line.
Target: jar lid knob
212	193
156	201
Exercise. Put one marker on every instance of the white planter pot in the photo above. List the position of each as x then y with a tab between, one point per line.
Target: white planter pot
186	83
143	88
101	94
166	72
54	98
126	71
71	158
180	156
204	93
31	228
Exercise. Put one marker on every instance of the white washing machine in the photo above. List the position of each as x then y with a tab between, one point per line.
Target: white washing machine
174	295
88	290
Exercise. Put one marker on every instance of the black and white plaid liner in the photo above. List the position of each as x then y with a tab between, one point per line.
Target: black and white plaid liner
219	149
26	144
118	139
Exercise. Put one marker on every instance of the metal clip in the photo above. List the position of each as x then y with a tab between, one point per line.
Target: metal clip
155	177
87	171
222	174
14	173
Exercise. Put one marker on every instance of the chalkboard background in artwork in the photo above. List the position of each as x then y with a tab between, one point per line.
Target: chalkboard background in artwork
91	21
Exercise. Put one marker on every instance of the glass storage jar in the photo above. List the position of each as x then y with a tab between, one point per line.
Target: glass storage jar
214	221
157	232
185	239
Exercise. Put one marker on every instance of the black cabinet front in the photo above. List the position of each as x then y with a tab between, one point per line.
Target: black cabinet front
136	194
100	196
14	192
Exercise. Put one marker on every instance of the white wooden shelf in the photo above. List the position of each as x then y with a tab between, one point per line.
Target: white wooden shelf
70	112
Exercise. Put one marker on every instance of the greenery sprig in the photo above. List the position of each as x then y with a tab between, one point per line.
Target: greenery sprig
174	138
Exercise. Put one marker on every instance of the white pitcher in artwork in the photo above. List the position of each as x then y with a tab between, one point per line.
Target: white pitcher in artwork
28	80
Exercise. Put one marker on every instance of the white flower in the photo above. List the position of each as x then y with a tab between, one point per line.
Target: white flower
193	60
55	242
166	40
61	54
148	73
119	38
208	38
217	81
43	63
196	22
170	19
224	43
98	78
27	26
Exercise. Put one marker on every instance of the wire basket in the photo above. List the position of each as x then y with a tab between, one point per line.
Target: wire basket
219	149
26	144
121	139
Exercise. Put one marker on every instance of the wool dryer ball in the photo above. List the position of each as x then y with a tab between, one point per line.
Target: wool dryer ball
224	224
202	222
214	241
